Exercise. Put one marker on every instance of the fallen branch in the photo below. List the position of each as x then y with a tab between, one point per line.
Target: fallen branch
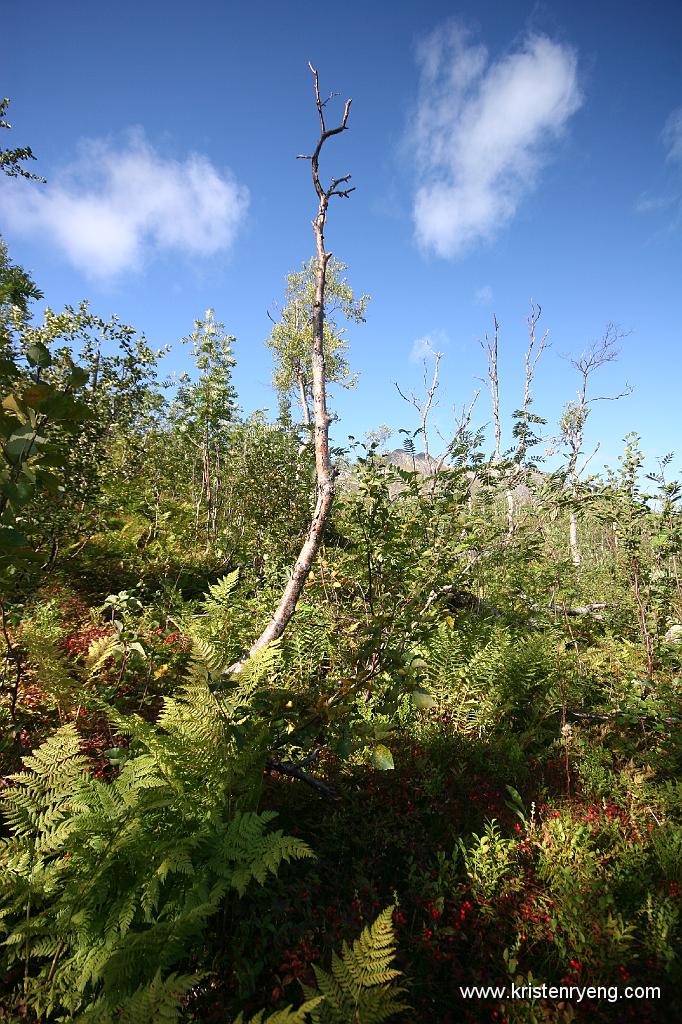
614	716
587	609
295	771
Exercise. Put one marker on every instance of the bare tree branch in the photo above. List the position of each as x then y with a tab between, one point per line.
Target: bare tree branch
423	406
575	417
490	348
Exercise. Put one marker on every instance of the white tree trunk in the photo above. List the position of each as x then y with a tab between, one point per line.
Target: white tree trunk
573	538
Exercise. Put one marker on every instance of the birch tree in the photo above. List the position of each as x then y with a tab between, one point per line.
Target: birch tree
324	470
523	432
204	412
574	419
291	340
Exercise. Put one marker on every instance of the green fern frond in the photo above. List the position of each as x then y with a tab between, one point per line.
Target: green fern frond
235	698
150	858
367	962
221	592
361	988
159	1001
308	641
41	797
99	652
253	853
206	652
286	1016
50	666
263	664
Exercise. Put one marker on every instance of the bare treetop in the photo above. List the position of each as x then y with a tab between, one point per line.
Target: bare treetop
600	353
326	133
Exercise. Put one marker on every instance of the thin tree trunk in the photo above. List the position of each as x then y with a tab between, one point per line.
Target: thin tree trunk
303	398
510	511
324	470
641	615
573	538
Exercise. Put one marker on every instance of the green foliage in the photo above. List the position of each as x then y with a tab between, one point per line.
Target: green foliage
11	160
157	1001
361	988
487	859
106	886
287	1016
38	408
41	637
436	655
291	338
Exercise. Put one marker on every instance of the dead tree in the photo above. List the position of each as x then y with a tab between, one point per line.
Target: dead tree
324	469
535	349
423	406
459	440
574	418
490	347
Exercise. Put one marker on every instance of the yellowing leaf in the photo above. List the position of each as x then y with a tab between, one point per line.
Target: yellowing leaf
382	758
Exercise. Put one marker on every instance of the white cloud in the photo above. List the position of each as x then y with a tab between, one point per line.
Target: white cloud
428	345
672	136
483	296
114	206
482	131
421	349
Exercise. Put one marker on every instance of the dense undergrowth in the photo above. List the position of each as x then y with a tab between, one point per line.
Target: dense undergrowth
513	843
459	766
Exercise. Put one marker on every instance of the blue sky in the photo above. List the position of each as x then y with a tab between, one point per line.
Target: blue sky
501	152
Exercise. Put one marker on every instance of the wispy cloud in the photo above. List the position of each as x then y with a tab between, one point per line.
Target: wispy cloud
669	199
483	296
650	203
672	136
422	348
427	346
483	131
117	205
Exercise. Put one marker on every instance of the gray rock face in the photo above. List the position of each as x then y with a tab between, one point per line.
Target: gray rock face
519	481
674	634
423	464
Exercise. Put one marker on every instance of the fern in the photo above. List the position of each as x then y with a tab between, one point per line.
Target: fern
308	643
99	652
43	797
254	853
206	652
49	664
361	988
286	1016
105	888
159	1001
221	592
